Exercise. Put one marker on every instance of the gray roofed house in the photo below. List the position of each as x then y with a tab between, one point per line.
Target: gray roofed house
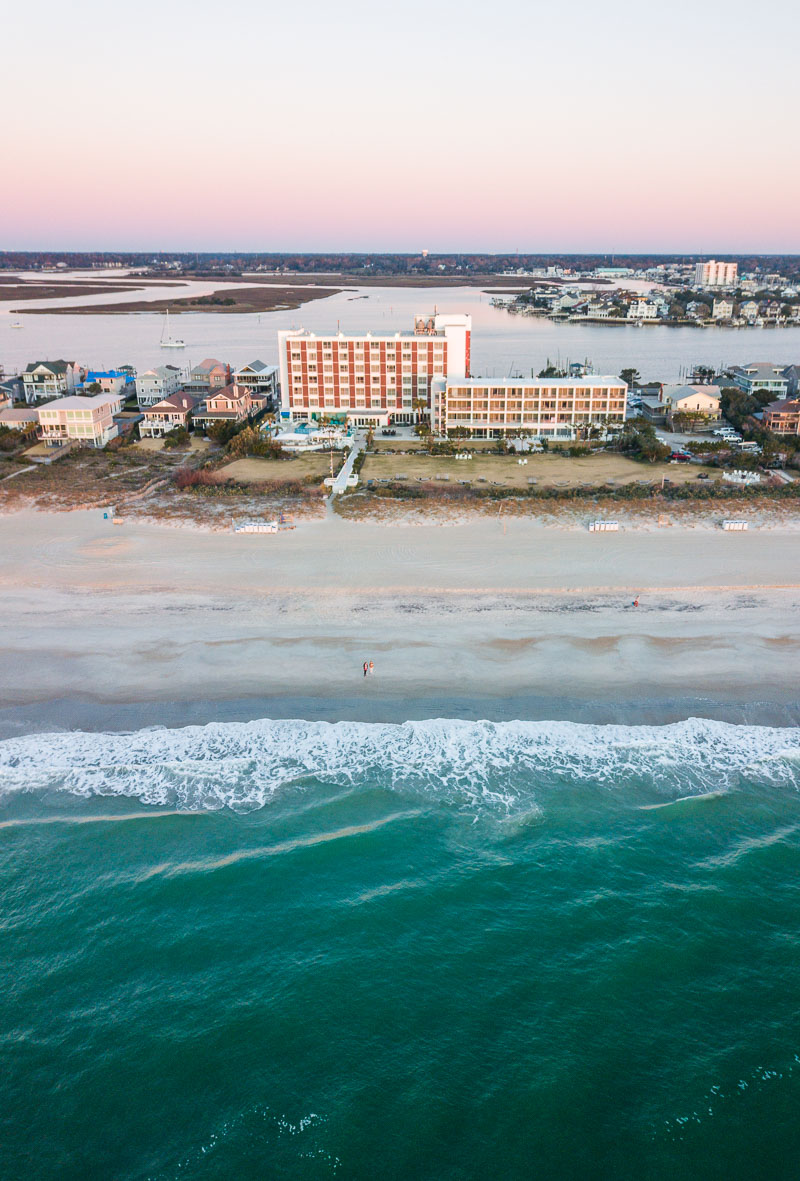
51	379
792	375
259	376
761	377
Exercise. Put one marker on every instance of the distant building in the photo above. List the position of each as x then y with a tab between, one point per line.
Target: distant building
783	416
723	309
749	310
716	274
87	421
373	378
760	377
156	384
641	308
50	379
545	407
167	415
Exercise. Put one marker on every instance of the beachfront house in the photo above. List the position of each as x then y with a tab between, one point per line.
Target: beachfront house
88	422
208	376
156	384
50	379
167	415
235	403
783	416
761	377
260	378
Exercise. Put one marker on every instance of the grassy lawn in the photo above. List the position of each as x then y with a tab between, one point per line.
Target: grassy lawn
560	471
257	471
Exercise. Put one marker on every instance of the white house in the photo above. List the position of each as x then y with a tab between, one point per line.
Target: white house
691	399
259	377
50	379
641	308
154	385
723	309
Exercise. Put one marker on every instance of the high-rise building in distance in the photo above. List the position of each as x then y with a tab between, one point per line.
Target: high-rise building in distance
716	274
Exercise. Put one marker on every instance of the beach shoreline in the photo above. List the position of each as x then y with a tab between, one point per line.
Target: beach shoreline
121	628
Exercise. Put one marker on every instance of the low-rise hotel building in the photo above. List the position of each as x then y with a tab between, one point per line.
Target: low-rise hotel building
88	421
374	378
545	407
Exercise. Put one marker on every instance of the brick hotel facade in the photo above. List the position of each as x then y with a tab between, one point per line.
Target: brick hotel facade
373	379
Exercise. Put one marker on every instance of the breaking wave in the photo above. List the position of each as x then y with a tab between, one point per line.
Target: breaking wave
243	765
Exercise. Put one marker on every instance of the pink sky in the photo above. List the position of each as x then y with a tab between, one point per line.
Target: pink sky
449	127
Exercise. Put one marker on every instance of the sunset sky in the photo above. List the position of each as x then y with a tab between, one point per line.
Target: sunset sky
359	126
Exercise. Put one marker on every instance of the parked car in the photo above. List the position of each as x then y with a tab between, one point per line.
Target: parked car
680	456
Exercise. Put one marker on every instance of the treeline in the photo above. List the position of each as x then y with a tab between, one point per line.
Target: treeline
214	262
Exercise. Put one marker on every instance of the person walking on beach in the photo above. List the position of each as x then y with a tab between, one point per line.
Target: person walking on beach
366	668
371	668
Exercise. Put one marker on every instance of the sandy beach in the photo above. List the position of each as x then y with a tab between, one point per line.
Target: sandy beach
141	613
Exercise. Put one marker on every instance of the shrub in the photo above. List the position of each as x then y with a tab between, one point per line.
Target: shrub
177	438
187	477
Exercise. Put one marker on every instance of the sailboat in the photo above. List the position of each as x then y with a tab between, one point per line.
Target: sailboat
167	341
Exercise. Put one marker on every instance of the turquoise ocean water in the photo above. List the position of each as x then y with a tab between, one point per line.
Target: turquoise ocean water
433	950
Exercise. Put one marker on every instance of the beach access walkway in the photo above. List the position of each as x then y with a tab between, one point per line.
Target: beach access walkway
340	482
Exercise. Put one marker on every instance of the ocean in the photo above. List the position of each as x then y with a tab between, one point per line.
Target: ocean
434	949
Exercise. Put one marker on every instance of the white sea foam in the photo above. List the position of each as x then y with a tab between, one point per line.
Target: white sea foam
506	764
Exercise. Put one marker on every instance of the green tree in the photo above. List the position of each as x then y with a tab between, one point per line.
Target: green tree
630	377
